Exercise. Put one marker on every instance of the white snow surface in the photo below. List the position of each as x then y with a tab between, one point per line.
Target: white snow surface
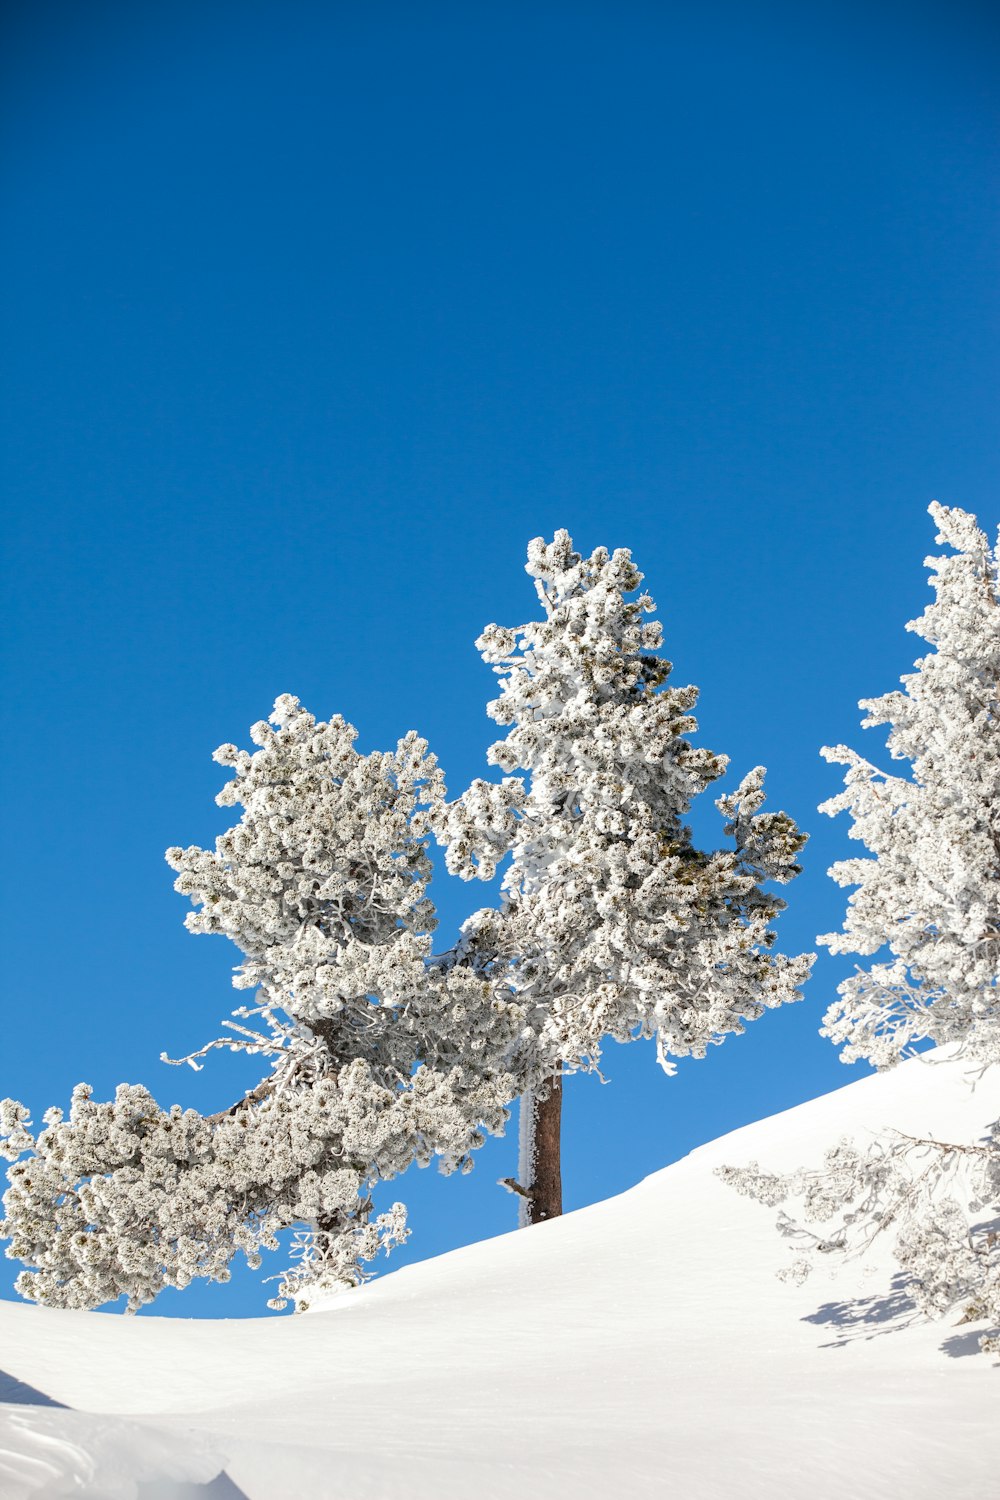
641	1347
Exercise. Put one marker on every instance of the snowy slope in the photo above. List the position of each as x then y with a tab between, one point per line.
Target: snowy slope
642	1347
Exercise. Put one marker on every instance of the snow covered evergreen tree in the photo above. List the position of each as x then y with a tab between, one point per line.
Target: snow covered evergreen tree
928	898
613	923
380	1053
931	892
376	1058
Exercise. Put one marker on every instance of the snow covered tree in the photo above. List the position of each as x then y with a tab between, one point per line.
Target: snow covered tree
376	1057
931	892
612	923
379	1053
928	899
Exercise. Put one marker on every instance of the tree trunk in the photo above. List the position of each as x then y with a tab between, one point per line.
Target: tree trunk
540	1171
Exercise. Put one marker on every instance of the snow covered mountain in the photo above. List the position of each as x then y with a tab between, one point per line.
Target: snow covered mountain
642	1347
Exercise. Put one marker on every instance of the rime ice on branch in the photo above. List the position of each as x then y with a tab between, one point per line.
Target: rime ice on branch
376	1058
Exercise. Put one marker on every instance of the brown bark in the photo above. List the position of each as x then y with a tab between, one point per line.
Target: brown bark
260	1092
545	1192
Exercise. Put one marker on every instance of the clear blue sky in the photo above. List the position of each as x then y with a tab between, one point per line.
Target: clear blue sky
313	315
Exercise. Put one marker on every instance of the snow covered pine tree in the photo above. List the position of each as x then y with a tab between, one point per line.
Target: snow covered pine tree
380	1053
930	895
377	1058
612	923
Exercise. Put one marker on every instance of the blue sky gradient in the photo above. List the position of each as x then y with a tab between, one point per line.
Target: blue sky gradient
313	315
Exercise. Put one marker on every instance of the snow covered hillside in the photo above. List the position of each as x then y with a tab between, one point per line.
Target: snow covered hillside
642	1347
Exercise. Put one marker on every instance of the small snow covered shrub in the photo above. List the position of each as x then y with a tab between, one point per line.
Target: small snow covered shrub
928	897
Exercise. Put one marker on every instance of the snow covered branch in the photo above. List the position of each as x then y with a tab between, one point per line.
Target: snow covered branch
378	1058
940	1199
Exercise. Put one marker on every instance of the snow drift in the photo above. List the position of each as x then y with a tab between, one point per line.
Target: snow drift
642	1347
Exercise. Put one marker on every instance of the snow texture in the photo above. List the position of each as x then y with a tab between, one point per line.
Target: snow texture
642	1347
